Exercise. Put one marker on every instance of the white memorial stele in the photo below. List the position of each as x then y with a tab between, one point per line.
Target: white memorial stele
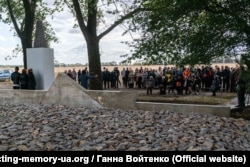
41	60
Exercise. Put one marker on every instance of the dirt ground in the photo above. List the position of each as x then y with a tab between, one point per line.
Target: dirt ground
5	85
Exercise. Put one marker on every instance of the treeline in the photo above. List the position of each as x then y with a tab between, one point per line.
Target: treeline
113	63
11	66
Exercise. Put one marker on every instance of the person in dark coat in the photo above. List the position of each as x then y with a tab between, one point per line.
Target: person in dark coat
215	85
196	84
24	79
31	80
112	79
226	78
188	83
127	77
106	78
162	85
79	75
117	76
241	87
15	78
179	85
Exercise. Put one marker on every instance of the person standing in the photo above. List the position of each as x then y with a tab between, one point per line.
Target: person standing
15	78
139	79
74	74
112	79
196	84
31	80
123	74
126	77
106	78
215	85
218	72
78	76
179	82
233	80
226	78
150	85
117	77
163	85
85	78
185	73
241	87
70	74
24	79
188	83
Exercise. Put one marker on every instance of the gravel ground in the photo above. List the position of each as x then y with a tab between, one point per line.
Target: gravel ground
47	127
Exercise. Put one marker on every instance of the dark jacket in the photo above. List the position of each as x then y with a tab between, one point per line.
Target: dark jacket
24	81
226	74
31	81
15	77
106	75
215	84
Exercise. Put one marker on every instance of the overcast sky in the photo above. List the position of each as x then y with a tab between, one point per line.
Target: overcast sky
71	48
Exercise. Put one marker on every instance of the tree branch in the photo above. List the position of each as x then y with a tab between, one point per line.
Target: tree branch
119	21
19	33
80	18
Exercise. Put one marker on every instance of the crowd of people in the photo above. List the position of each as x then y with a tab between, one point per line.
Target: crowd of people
181	81
23	80
171	79
167	80
82	76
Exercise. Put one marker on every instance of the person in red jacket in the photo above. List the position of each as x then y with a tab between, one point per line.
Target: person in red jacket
186	73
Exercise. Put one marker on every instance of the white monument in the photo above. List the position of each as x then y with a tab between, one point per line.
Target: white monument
41	60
